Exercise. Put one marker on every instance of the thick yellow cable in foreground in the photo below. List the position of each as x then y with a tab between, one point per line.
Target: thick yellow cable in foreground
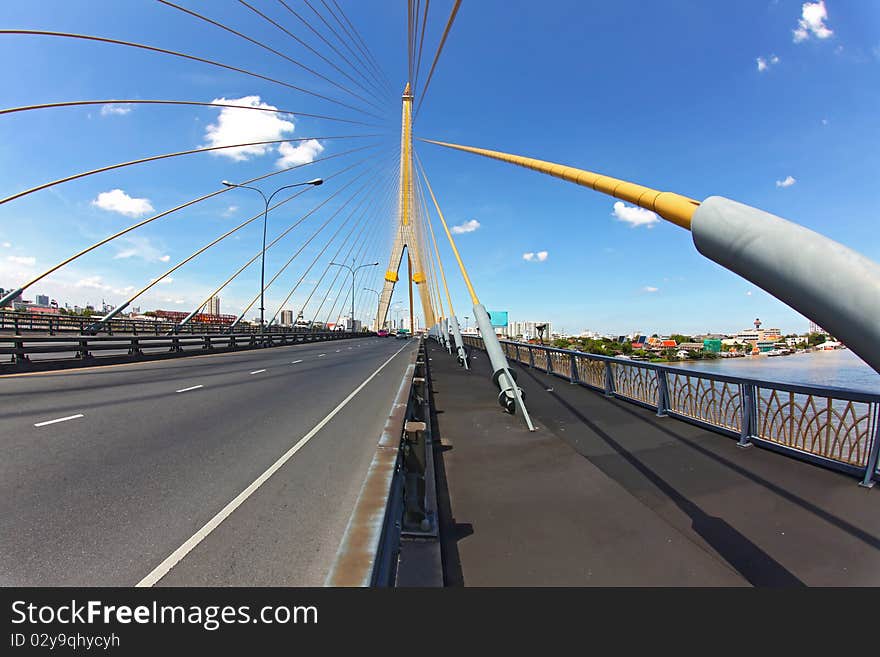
671	206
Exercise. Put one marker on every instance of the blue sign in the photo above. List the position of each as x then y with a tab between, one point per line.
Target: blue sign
498	318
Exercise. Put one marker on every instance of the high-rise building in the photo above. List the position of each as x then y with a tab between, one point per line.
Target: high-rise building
287	317
42	299
528	330
214	306
815	328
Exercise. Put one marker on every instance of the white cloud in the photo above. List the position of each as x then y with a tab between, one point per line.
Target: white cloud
531	256
466	227
7	245
93	283
765	63
140	247
749	293
303	153
788	182
239	126
115	110
824	121
231	210
117	200
166	280
650	289
22	260
634	216
812	21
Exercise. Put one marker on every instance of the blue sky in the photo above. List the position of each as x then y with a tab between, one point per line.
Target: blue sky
774	104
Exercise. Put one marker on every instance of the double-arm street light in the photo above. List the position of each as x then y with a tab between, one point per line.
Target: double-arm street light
268	201
353	270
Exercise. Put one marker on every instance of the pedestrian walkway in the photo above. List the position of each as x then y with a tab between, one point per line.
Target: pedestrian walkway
606	493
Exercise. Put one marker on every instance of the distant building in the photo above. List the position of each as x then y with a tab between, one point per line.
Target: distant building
691	346
214	307
287	317
528	330
815	328
42	299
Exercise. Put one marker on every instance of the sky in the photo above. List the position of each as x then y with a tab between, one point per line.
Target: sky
771	103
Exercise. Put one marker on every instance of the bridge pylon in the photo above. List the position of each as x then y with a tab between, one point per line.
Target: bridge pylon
408	234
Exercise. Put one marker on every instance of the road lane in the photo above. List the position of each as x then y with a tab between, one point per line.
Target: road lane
104	499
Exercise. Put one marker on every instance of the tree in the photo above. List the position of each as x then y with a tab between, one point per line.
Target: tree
816	338
679	338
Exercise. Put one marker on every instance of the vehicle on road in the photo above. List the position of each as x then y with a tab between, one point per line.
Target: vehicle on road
402	334
382	333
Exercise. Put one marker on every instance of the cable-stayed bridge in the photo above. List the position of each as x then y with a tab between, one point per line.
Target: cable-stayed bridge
256	450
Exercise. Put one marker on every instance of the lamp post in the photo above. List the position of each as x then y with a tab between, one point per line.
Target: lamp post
353	271
396	310
268	201
378	301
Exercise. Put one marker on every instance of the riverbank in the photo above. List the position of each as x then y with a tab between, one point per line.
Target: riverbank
840	368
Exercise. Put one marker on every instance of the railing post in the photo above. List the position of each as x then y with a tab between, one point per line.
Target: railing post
609	380
572	371
83	352
19	356
15	324
531	357
134	348
871	466
548	358
662	392
749	414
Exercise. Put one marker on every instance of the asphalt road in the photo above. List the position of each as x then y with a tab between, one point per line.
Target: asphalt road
121	492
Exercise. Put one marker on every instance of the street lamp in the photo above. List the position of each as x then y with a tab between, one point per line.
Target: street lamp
353	271
378	301
396	310
268	201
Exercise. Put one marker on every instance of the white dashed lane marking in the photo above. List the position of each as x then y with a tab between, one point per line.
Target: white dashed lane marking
60	419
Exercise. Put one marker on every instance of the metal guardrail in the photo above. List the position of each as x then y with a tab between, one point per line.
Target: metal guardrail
398	497
82	348
19	322
833	427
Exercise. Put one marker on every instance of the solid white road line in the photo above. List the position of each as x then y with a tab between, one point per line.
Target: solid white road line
257	371
190	388
319	355
338	350
61	419
295	362
174	558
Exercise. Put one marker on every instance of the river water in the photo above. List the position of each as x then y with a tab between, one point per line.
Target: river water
841	368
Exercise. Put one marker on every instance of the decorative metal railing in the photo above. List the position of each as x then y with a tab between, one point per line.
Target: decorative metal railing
834	427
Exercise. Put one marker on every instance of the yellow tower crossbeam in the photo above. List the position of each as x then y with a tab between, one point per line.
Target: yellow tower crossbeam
671	206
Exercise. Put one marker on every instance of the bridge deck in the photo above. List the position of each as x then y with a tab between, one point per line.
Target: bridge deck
606	493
